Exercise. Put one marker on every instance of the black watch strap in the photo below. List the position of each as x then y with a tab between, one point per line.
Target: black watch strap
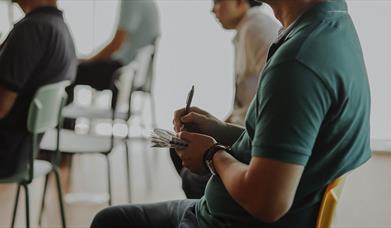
208	156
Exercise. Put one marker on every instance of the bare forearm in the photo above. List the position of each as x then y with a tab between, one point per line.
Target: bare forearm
115	44
105	53
232	173
265	188
228	134
7	100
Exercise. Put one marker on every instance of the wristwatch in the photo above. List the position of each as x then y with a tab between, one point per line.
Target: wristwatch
208	156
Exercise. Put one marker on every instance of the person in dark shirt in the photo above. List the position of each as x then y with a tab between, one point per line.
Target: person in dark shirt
38	51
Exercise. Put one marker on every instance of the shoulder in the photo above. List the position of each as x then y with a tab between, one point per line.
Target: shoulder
128	4
259	19
327	48
25	33
331	46
313	43
290	73
260	25
25	25
135	5
47	26
39	24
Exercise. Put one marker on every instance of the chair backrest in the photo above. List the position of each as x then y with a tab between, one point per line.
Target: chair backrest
329	203
45	113
136	76
46	106
145	72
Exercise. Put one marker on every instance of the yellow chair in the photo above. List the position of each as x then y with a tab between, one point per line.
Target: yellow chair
329	203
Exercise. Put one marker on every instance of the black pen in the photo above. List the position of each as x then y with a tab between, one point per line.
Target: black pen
187	108
189	99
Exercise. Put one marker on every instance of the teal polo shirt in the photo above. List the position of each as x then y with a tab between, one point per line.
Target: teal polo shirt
312	108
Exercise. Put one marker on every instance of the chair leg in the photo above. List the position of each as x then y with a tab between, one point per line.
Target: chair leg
60	199
27	199
154	124
69	178
108	177
15	206
128	181
43	199
140	113
153	113
147	168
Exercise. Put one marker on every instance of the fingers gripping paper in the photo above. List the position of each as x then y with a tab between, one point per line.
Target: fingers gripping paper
166	139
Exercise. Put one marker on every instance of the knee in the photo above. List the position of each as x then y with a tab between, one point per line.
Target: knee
121	216
105	217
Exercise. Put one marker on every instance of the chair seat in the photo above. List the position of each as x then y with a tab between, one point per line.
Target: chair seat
72	142
41	168
381	145
75	111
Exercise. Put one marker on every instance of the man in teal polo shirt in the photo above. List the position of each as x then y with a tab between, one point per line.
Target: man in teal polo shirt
307	125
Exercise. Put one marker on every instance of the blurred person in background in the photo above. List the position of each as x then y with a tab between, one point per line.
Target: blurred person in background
39	50
138	26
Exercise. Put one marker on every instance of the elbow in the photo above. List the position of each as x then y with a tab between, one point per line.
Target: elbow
118	41
115	46
269	217
271	212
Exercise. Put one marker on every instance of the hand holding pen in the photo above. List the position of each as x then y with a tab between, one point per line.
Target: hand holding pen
166	139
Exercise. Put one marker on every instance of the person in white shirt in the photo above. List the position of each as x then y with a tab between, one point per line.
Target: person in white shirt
256	30
138	26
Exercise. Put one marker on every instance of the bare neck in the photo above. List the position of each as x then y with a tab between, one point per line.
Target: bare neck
287	11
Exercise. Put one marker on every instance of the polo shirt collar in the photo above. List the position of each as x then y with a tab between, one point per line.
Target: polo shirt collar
282	33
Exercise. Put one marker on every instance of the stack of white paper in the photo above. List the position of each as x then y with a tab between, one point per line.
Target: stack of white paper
166	139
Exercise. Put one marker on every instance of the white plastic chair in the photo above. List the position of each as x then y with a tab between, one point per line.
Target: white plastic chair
134	77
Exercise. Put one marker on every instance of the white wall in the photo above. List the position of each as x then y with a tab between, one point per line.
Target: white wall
194	49
372	18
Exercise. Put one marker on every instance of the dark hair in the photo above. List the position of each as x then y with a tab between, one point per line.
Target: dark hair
254	3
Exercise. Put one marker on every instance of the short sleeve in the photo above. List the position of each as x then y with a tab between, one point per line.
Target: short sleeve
292	105
130	15
19	56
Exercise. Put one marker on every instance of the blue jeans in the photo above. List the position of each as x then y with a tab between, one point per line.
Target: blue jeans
179	213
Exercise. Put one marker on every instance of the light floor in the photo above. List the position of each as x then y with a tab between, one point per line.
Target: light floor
366	200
